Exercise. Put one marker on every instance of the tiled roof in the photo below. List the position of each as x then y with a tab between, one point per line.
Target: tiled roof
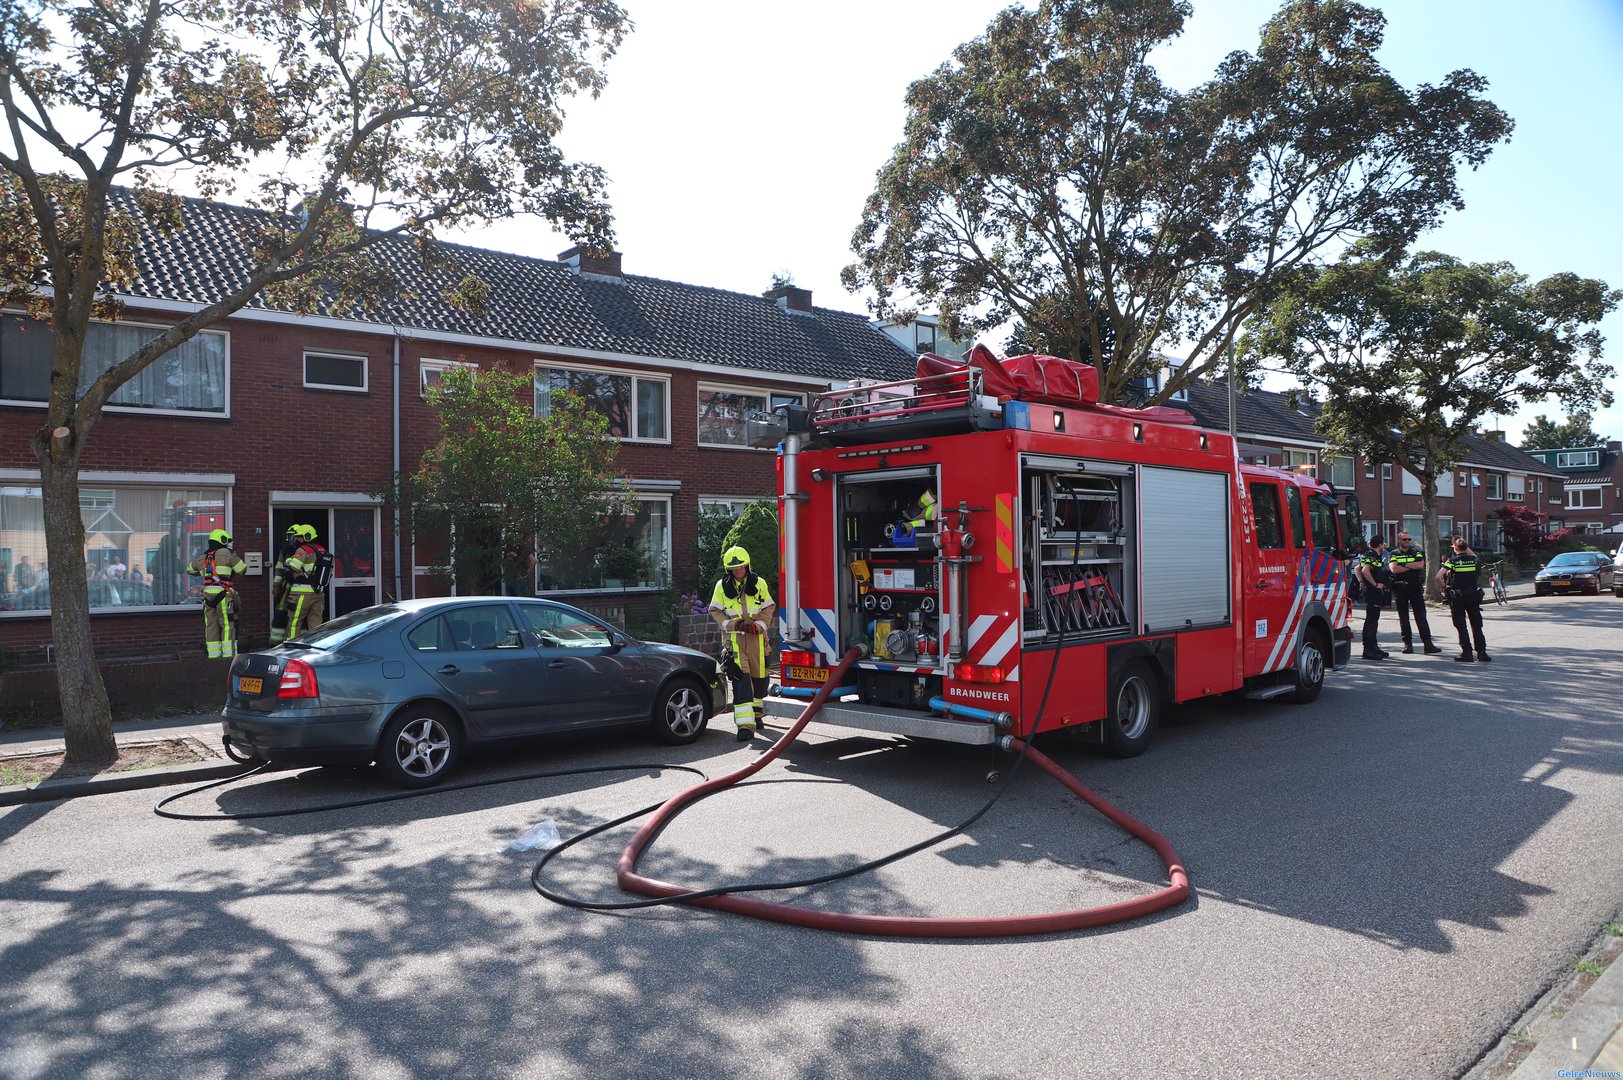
1274	415
544	302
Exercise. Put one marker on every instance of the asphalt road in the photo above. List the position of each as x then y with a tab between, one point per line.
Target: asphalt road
1385	880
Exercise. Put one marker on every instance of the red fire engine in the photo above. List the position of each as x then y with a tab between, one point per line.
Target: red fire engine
972	529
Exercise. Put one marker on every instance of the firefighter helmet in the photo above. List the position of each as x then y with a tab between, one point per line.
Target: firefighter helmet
220	536
735	556
303	532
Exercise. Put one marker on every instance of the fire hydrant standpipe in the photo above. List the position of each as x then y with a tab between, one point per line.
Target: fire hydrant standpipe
1175	892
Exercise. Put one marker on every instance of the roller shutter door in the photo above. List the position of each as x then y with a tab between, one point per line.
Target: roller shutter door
1184	549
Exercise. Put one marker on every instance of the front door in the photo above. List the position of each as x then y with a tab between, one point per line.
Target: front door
351	534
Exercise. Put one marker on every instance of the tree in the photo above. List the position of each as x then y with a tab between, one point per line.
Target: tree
1414	352
756	530
1576	430
1046	174
1523	534
503	482
348	123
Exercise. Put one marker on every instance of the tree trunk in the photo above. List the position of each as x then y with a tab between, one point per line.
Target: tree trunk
1430	542
86	717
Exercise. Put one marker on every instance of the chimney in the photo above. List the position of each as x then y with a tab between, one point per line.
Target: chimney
791	298
1493	436
585	264
1615	446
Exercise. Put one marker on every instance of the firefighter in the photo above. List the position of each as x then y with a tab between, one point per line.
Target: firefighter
219	566
742	606
1458	578
1373	573
309	568
282	582
1408	568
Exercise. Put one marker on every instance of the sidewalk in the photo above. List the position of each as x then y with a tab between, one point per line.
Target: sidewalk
201	729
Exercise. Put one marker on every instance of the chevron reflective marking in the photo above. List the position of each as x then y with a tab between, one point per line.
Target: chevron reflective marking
1001	646
1004	509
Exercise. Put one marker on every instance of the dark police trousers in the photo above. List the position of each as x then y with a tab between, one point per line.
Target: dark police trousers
1464	605
1372	619
1411	597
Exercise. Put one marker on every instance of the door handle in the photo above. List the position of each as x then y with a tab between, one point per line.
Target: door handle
557	663
449	669
1262	584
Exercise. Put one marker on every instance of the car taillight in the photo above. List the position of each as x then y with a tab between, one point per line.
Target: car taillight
977	673
802	658
298	681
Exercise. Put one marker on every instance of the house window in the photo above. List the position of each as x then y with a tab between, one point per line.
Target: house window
733	417
1577	459
190	379
1516	489
1341	471
636	406
1386	472
1495	485
635	552
335	371
1583	498
924	337
1302	461
1369	470
787	399
1444	488
138	541
430	371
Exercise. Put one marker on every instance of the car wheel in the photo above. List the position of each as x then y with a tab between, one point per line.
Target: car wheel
680	713
420	747
1308	678
1135	706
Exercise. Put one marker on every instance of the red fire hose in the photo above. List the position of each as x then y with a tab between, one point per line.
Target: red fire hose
905	926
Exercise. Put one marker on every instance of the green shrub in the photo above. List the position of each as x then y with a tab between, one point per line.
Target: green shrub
757	531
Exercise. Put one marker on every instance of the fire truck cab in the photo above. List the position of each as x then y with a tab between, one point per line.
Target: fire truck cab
1010	556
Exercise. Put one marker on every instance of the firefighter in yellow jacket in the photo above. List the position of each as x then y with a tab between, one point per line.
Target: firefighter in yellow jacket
742	606
309	568
219	567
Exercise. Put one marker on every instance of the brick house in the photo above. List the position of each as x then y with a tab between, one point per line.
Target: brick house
1278	429
271	418
1593	480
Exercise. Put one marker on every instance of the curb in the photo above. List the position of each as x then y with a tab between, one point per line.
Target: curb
76	786
1588	1040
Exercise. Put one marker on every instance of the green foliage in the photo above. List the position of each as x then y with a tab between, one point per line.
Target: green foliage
1416	351
756	530
1577	430
500	475
709	543
1047	176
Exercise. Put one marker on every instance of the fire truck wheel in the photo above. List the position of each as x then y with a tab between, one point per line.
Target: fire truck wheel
1135	707
1308	677
680	715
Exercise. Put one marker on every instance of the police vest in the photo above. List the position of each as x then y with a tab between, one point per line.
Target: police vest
1462	571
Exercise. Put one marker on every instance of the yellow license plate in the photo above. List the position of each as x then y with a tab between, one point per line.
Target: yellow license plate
250	686
808	674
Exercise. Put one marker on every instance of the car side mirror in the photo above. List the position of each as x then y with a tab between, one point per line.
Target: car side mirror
617	642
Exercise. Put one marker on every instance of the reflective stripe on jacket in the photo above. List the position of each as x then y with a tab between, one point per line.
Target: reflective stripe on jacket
754	606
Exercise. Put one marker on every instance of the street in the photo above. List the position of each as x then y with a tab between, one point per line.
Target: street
1384	881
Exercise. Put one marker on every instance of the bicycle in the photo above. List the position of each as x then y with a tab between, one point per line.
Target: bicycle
1496	584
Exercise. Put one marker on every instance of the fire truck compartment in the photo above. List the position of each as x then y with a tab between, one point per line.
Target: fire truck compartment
890	584
871	718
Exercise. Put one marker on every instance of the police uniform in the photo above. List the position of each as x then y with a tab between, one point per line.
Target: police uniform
307	596
743	608
1375	562
1465	604
219	567
1408	570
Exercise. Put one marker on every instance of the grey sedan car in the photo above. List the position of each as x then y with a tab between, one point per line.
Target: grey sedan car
410	685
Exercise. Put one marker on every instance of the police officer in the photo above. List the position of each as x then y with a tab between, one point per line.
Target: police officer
1458	580
1373	574
1407	565
742	606
219	567
307	595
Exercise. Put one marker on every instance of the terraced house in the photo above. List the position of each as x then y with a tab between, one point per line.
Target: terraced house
1592	477
271	419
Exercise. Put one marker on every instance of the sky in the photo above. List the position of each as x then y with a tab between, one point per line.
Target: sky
741	138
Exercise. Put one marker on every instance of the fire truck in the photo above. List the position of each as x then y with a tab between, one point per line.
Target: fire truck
1008	555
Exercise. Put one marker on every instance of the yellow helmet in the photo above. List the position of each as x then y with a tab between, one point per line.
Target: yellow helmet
303	532
735	556
220	536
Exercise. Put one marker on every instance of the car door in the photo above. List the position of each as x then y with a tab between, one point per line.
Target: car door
1268	576
590	679
485	664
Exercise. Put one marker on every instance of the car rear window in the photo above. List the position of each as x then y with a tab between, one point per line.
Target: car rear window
346	628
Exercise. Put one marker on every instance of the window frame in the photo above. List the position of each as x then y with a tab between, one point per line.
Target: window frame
729	388
427	364
634	375
1515	488
336	354
1584	503
224	412
1493	486
1590	459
